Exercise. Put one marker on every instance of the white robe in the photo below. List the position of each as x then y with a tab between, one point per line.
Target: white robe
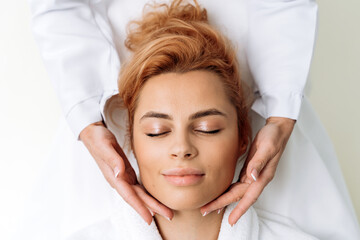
255	224
81	42
308	186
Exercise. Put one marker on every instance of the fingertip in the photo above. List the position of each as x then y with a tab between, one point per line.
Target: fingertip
232	220
148	219
254	174
242	180
248	181
151	212
203	209
170	216
116	171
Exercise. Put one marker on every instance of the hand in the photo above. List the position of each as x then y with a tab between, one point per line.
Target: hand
258	170
118	172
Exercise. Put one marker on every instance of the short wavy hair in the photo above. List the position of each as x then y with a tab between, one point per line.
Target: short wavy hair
177	37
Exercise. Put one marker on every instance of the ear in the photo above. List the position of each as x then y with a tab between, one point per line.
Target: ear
242	149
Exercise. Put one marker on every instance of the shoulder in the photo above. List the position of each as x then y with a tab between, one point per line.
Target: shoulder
258	224
275	226
124	223
99	230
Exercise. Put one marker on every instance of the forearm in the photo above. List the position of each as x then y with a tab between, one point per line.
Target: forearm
280	47
78	55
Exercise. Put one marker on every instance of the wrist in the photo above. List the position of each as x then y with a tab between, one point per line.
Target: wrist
88	128
285	123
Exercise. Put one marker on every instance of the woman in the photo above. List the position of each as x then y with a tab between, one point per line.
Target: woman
188	125
69	199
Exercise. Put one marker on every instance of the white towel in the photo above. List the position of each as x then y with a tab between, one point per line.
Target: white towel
255	224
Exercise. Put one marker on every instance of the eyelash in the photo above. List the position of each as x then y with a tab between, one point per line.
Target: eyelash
206	132
155	135
209	132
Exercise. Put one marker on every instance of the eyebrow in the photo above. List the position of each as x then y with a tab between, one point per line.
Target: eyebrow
208	112
199	114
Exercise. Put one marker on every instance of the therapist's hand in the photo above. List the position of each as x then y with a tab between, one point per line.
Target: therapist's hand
117	170
261	163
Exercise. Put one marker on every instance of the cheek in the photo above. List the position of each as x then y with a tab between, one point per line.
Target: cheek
148	156
220	160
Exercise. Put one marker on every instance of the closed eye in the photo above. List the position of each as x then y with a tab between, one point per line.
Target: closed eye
209	132
155	134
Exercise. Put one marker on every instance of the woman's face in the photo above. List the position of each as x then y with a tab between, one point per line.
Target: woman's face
185	138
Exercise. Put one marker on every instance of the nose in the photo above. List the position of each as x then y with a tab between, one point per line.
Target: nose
182	148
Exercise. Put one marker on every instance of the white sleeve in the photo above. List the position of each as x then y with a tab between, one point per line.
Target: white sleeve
279	51
79	56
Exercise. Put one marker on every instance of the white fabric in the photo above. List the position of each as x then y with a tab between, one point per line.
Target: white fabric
79	42
308	187
125	223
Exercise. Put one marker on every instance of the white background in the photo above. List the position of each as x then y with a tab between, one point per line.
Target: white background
29	110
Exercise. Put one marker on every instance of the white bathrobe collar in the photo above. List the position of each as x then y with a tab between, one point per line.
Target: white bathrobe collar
128	224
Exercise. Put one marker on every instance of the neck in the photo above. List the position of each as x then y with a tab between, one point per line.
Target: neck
190	224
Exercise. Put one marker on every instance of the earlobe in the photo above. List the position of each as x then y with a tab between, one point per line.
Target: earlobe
242	149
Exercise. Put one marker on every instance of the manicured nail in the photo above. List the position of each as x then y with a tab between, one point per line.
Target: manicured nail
116	171
168	219
152	213
205	213
219	211
254	174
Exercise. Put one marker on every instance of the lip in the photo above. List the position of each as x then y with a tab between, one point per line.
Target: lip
182	171
183	176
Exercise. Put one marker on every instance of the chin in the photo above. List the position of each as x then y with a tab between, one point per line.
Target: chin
190	198
185	202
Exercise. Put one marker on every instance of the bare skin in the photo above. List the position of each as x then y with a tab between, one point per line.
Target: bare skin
118	172
195	128
265	153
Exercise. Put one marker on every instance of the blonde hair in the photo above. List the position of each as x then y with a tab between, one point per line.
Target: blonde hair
178	38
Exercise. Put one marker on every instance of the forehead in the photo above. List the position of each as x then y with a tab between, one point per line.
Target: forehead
183	93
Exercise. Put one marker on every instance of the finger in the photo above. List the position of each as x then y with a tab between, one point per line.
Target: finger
252	151
253	191
256	164
234	194
153	204
126	191
114	157
250	197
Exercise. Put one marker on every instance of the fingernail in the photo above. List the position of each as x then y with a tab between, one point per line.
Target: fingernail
152	213
254	174
232	225
242	180
205	213
168	219
219	211
116	171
